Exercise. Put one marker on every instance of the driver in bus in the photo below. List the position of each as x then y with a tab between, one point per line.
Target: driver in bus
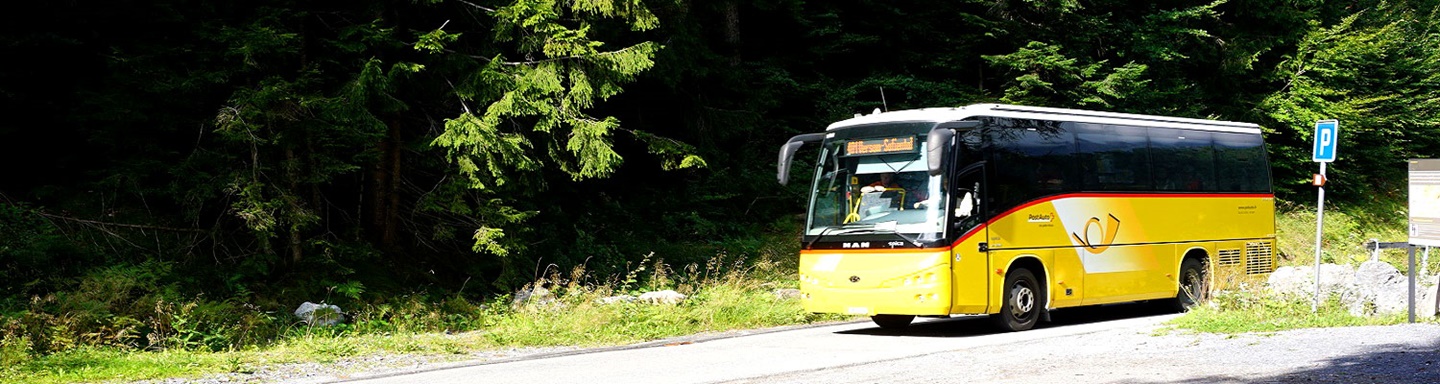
913	196
886	181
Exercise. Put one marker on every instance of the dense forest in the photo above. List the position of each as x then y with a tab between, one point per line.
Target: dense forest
274	151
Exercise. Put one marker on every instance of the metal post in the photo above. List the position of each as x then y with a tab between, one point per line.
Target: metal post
1319	230
1412	282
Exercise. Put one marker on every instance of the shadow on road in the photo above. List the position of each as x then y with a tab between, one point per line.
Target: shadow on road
966	326
1391	363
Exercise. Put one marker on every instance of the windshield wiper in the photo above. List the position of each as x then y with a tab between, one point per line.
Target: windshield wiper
914	241
817	237
850	229
877	229
871	228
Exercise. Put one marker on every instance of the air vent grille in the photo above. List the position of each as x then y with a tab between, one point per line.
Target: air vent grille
1229	256
1259	258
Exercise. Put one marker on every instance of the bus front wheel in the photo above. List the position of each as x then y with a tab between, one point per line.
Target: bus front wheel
1021	307
892	321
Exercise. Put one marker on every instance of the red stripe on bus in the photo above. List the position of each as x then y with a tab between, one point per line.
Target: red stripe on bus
1046	199
1141	195
1094	195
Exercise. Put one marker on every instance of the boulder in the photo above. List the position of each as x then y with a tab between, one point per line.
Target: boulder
1379	290
615	299
1375	288
1377	273
662	297
1300	281
319	314
533	296
1425	304
787	293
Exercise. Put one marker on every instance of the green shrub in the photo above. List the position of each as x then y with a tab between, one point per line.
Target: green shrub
14	351
34	257
115	316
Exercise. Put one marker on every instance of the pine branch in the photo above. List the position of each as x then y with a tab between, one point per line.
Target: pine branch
490	10
122	225
533	62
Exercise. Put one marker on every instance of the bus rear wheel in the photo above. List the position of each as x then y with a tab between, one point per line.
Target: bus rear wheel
1021	307
1194	286
892	321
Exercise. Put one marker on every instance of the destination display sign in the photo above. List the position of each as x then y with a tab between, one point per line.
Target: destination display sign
881	146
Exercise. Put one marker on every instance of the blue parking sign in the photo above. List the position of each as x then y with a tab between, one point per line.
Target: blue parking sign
1327	138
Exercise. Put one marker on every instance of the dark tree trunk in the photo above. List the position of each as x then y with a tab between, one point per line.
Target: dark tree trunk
384	189
732	30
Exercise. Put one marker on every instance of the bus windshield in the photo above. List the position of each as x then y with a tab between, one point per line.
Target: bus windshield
856	192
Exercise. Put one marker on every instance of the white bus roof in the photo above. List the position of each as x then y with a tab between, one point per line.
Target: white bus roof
940	115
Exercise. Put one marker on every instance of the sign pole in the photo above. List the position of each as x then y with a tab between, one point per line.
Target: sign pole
1327	139
1411	272
1319	229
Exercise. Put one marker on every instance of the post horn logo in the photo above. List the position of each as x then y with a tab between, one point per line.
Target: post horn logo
1107	234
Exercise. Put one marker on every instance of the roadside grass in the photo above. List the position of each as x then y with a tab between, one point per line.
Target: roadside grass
100	363
1345	231
1253	309
723	294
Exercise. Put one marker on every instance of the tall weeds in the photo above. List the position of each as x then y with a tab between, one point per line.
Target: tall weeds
115	314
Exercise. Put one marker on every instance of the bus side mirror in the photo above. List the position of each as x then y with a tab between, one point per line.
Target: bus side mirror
935	144
938	141
787	154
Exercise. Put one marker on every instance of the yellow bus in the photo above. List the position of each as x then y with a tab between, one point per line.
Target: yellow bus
1016	211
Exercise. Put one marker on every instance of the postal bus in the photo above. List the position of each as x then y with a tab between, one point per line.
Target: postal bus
1015	211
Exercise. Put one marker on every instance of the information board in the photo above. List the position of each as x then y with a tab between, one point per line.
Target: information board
1425	202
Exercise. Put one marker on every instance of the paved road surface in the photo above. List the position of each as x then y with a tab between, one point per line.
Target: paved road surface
1119	344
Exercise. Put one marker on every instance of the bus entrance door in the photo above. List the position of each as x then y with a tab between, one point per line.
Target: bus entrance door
969	265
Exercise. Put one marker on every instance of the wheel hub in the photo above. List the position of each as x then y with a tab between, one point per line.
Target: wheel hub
1023	301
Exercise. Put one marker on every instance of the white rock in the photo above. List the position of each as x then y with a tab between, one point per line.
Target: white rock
662	297
319	314
1377	273
1300	281
534	296
615	299
787	293
1425	306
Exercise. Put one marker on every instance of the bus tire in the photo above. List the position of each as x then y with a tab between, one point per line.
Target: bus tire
1022	303
1193	285
892	321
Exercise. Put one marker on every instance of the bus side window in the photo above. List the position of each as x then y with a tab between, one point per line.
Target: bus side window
1114	157
1183	160
1240	163
1031	159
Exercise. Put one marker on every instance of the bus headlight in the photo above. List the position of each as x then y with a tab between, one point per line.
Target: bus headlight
928	278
